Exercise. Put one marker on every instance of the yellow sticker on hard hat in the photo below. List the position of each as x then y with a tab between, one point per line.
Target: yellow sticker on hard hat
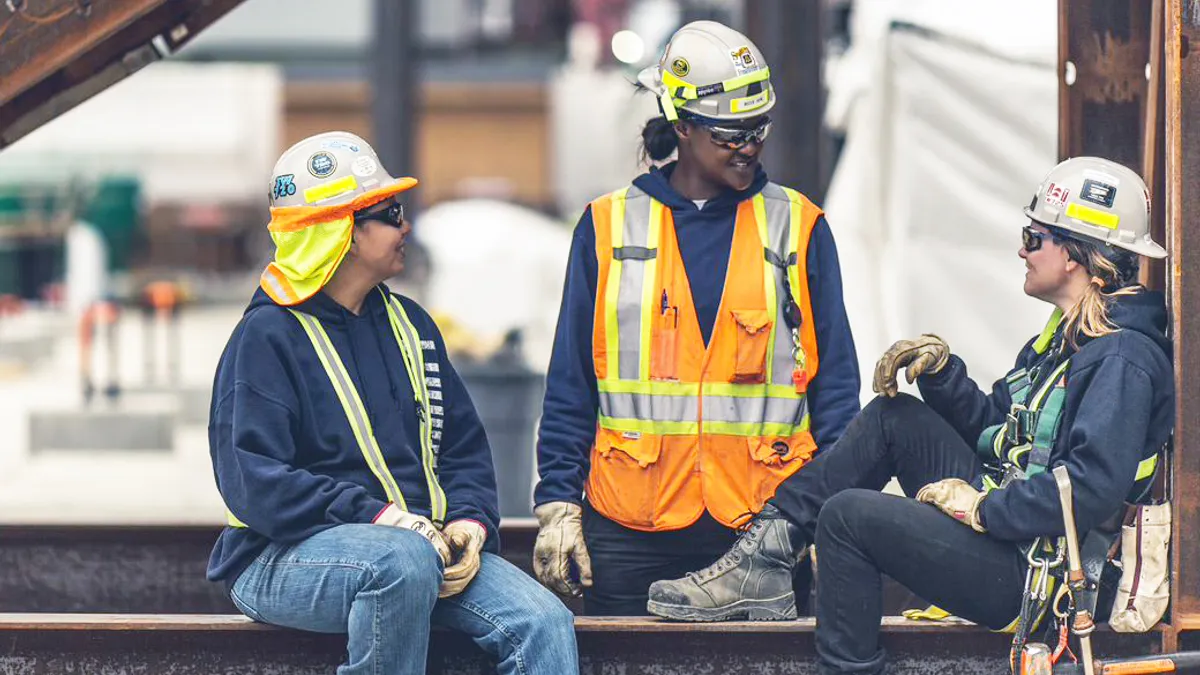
1093	216
331	189
738	105
680	67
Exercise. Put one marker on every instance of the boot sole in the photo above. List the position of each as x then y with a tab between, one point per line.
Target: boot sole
782	608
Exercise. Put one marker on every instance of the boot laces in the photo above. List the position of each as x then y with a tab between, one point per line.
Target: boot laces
751	530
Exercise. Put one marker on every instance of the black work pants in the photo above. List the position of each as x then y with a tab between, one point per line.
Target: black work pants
625	562
861	534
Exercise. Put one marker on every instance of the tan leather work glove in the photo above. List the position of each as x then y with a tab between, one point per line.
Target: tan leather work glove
466	538
559	541
394	516
957	499
924	356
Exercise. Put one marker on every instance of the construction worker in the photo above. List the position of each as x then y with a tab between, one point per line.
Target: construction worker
703	353
1092	393
358	479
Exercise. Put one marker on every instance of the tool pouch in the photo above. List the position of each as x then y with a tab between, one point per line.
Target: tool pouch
1143	591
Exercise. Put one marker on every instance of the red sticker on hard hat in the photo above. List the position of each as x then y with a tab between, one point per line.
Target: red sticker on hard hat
1056	195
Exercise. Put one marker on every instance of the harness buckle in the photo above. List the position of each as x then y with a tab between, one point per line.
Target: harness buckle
1019	424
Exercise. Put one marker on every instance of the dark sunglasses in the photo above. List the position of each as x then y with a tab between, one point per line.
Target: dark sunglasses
736	139
392	215
1031	239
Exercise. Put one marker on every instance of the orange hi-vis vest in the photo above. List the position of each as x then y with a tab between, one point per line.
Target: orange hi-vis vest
683	428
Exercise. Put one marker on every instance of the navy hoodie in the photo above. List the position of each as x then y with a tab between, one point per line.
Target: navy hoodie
705	238
1119	410
286	462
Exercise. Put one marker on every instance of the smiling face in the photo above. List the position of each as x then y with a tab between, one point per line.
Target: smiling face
380	233
725	155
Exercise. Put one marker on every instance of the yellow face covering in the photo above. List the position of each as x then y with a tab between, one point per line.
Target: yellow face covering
311	241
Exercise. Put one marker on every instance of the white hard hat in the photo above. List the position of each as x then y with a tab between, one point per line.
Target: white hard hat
1100	200
326	170
711	70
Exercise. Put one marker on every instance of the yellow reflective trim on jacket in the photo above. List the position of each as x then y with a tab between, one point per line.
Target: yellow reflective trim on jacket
414	362
665	388
612	341
649	271
232	520
356	415
1146	468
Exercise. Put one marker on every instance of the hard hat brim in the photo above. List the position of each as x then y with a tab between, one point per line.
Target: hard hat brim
1146	247
649	78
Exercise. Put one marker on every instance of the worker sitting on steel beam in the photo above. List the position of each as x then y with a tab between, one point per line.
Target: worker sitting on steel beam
356	472
1093	392
702	321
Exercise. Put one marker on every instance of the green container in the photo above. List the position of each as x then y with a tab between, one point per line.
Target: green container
115	212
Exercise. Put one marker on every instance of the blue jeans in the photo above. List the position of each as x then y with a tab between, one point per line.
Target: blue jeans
379	585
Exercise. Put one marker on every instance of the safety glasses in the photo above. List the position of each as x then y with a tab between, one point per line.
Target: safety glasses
393	215
736	139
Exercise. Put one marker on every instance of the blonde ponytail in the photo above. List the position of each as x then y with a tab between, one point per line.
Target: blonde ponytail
1089	316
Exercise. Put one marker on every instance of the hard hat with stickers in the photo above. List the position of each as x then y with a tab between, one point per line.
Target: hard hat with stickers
317	187
712	71
1098	199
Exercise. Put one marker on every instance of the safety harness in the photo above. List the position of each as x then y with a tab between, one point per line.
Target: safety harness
409	342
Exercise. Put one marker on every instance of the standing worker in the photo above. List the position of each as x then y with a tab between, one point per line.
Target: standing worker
357	475
1093	393
701	322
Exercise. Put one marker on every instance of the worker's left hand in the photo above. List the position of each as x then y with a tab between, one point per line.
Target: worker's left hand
925	355
466	538
957	499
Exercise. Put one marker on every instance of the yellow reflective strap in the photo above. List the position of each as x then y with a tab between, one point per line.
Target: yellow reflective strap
612	341
1093	216
414	362
649	426
748	79
760	220
352	405
1146	468
232	520
649	302
678	89
1049	386
1043	341
330	189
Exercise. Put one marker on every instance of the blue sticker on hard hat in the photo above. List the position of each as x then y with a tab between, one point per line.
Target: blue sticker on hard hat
344	145
1098	193
322	164
285	186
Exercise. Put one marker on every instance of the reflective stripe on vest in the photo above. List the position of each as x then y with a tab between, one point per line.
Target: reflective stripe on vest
629	400
356	415
687	425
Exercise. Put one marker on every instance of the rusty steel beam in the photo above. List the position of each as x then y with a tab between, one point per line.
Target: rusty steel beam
1106	43
72	49
1182	66
218	645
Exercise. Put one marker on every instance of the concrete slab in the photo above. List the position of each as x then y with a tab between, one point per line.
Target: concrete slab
100	429
26	349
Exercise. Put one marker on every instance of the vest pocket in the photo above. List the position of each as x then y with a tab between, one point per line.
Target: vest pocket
624	478
753	335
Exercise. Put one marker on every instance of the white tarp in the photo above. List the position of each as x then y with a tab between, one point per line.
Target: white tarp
495	267
951	121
